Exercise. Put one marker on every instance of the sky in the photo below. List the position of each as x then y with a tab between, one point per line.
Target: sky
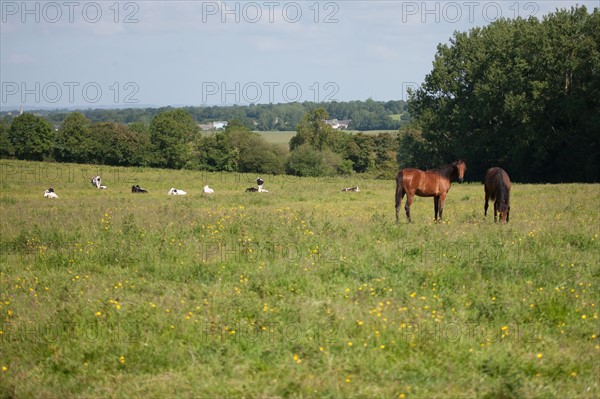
91	54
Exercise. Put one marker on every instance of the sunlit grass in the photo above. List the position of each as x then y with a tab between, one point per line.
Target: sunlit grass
303	291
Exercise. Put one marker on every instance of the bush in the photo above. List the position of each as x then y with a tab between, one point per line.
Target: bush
237	149
307	161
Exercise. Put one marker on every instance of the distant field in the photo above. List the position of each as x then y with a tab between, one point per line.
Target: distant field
304	291
285	137
277	137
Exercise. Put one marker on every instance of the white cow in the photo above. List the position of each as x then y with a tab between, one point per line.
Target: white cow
174	191
50	193
208	190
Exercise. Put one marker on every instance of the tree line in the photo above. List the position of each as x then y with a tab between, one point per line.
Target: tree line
523	94
173	140
364	115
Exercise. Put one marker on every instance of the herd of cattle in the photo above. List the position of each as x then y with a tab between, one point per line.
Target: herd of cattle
97	182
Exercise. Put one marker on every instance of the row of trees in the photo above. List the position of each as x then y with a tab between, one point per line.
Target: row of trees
521	94
365	115
173	140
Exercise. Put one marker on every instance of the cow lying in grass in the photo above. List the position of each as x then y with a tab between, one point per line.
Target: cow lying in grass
260	188
97	182
50	193
138	189
174	191
355	189
256	190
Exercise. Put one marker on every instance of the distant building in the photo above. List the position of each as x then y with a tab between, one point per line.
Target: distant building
338	124
218	125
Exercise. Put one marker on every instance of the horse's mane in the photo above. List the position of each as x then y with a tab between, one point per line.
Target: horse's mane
446	170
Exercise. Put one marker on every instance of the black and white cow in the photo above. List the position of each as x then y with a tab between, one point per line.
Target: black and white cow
50	193
174	191
138	189
97	182
260	183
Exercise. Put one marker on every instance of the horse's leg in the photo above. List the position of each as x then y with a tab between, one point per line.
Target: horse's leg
409	200
496	209
486	205
436	205
442	200
398	205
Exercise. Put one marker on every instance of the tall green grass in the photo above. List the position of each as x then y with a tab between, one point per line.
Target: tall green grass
302	291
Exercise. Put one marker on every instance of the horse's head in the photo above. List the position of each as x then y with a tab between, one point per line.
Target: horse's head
503	210
461	167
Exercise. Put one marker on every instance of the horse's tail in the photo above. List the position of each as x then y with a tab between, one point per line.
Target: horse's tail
399	188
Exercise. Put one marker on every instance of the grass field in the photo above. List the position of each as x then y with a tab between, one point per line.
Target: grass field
305	291
284	137
278	137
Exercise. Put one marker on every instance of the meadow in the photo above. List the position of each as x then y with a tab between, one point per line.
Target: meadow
279	137
304	291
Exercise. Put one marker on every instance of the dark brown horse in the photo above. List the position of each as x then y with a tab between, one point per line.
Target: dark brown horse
497	187
431	183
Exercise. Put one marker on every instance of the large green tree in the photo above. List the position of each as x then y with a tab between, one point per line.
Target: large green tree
522	94
313	130
360	149
119	145
249	151
170	132
74	141
32	137
6	148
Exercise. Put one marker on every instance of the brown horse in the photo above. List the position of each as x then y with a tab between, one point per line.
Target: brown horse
430	183
497	187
